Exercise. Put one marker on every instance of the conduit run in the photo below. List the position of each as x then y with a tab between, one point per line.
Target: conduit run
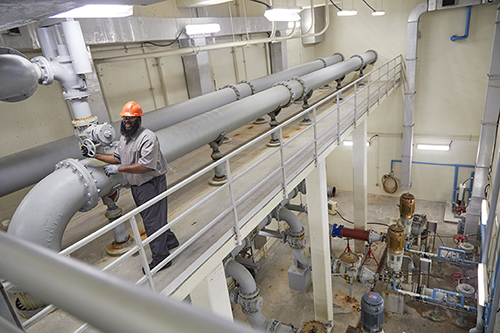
176	141
30	166
250	300
296	238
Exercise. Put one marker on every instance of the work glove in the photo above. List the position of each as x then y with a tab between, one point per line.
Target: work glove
111	169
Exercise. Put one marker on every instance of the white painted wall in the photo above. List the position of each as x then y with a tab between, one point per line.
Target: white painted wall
451	86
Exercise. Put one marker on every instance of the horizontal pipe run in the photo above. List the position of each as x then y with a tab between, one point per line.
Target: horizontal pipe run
103	300
27	167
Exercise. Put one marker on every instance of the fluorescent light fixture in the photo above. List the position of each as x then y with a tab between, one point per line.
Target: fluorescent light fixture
484	212
97	11
347	12
283	14
422	146
481	284
349	143
378	13
199	29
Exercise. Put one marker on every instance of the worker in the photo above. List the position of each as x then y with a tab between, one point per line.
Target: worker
139	158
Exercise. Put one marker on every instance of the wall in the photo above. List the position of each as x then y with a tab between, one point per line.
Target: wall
449	103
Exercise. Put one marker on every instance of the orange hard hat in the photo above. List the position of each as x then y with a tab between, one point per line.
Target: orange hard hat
132	109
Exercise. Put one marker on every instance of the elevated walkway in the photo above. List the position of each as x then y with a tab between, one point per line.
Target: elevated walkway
210	221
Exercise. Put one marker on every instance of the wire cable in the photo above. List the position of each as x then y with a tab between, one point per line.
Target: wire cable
390	190
262	3
378	223
175	40
334	5
440	238
366	3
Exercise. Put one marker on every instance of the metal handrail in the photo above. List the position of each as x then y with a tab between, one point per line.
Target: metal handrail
356	111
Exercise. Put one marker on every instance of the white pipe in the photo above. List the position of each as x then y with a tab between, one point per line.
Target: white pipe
103	300
19	78
296	228
409	110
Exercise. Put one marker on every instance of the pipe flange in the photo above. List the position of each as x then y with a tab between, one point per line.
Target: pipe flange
236	91
323	61
339	54
297	243
300	233
47	75
75	94
362	61
92	195
274	325
303	84
376	56
250	84
292	94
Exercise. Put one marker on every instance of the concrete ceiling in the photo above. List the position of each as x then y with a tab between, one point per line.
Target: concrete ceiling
21	12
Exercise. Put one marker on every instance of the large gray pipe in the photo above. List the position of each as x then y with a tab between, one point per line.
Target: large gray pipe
296	240
176	141
409	110
19	76
27	167
250	300
101	299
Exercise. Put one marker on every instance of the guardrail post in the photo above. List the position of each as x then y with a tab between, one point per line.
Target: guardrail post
236	227
142	252
282	156
368	98
355	102
315	137
338	120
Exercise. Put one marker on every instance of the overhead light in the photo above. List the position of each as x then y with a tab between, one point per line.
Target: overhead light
97	11
422	146
347	13
349	143
374	12
342	12
199	29
283	14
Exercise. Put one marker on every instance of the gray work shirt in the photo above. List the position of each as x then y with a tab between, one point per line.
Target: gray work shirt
142	148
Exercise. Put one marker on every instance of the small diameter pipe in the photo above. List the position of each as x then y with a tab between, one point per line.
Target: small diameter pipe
467	24
101	299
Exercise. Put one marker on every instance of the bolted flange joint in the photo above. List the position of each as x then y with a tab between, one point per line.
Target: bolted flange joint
292	93
323	61
304	87
84	175
251	302
47	75
339	54
297	240
362	61
250	84
236	91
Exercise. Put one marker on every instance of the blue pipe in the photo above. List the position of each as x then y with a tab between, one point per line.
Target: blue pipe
467	24
457	166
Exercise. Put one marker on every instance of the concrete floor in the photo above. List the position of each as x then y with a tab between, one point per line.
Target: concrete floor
294	307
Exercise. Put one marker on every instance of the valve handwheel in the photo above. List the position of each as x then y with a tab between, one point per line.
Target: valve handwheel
458	278
460	210
459	238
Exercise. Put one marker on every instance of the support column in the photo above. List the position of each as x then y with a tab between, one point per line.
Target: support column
212	294
197	69
359	170
320	242
278	55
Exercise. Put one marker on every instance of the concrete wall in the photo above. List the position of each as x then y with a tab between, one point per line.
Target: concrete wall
451	86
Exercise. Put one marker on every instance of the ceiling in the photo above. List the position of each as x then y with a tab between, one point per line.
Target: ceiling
21	12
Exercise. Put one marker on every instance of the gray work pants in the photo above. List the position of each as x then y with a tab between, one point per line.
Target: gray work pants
155	217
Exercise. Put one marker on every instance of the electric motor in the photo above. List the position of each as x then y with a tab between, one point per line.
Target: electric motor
372	312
